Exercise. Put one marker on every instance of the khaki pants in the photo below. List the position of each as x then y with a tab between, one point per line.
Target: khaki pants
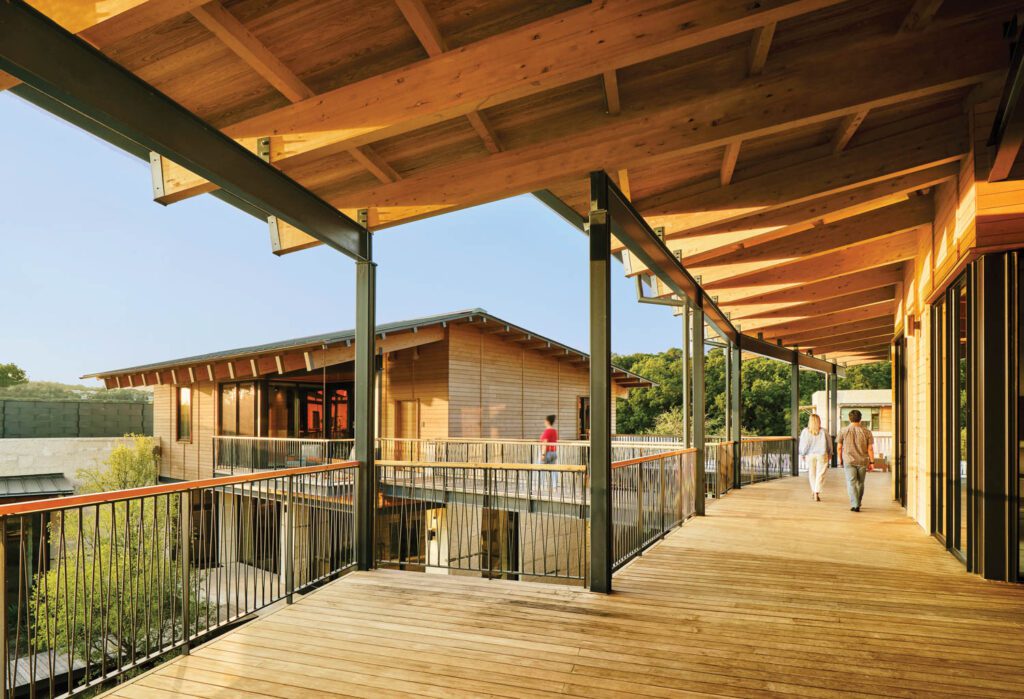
855	483
817	467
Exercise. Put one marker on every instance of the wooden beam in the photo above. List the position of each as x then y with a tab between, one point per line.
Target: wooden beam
856	258
759	46
611	92
629	142
623	180
847	128
617	34
378	167
103	24
835	321
920	15
718	239
854	345
827	288
803	215
485	131
732	154
423	25
911	213
898	154
222	24
429	35
836	303
853	331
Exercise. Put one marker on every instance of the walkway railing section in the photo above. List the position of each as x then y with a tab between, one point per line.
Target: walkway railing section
96	585
251	454
511	521
765	459
650	496
719	458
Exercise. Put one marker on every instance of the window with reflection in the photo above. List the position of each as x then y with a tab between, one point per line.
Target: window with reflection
184	414
951	391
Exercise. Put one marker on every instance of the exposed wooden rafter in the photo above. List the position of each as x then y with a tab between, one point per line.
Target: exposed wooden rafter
847	128
921	15
729	158
759	47
426	30
611	92
219	21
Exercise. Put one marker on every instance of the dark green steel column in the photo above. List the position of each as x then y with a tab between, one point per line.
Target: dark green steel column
833	411
794	414
697	345
687	432
600	387
363	414
735	389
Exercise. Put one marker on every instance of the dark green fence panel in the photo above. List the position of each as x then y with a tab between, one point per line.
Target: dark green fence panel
38	418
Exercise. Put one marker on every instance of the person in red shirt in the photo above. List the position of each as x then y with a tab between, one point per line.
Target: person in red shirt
549	452
550	439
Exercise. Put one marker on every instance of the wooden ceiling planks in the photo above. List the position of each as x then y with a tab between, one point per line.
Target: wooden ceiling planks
415	107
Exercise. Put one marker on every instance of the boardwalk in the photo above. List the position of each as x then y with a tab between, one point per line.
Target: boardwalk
770	594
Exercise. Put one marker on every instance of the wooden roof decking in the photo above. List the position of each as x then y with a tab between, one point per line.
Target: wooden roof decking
771	594
787	147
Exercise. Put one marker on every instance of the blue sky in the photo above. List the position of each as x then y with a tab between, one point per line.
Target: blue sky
94	275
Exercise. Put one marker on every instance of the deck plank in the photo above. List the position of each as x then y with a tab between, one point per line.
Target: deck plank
771	594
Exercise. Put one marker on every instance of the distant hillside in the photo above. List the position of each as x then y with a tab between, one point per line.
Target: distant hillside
51	390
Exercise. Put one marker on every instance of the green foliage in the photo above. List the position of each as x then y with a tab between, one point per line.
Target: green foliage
865	376
131	464
114	591
765	393
11	375
50	390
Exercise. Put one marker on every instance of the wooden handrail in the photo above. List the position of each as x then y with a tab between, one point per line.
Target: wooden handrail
495	467
31	506
652	457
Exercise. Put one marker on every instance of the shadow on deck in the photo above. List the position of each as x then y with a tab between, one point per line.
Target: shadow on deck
770	594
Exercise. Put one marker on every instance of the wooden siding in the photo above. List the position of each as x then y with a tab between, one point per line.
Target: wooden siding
185	460
501	389
417	374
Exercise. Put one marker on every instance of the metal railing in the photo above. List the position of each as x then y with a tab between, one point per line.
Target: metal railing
480	451
650	496
252	454
765	459
96	585
512	521
508	451
719	458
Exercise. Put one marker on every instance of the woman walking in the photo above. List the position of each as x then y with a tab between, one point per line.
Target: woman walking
816	452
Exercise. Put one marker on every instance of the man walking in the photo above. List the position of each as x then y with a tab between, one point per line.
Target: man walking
856	452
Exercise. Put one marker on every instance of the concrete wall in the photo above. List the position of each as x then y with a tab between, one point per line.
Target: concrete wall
45	418
22	457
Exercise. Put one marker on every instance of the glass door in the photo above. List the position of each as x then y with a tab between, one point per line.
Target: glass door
960	480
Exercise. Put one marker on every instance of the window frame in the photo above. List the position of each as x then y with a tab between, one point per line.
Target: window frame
177	414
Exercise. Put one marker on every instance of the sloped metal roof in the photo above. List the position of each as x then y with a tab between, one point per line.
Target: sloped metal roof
37	484
342	336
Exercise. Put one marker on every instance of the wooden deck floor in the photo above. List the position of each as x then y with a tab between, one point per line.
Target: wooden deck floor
770	594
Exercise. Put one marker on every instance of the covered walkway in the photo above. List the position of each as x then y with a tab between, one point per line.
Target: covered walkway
770	594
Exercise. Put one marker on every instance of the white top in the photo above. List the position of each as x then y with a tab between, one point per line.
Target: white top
815	444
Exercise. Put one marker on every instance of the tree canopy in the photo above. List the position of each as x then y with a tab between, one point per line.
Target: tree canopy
51	390
11	375
765	392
